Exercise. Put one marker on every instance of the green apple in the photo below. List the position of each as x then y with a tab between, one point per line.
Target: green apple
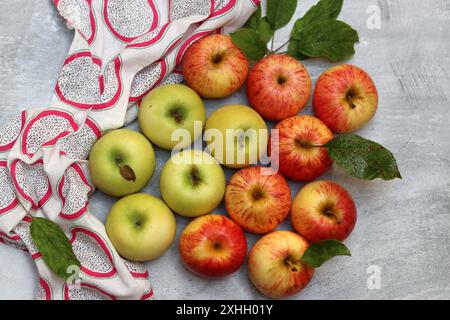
121	162
192	183
168	108
141	227
236	135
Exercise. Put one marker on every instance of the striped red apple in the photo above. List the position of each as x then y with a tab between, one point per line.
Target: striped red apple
213	246
275	267
258	199
323	210
302	155
345	98
214	67
278	87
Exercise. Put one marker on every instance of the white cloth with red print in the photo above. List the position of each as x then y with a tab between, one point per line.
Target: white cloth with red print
121	50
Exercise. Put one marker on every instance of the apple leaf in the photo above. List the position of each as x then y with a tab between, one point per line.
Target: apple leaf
54	246
319	34
319	253
323	10
253	21
250	43
280	12
127	173
260	25
293	50
265	30
362	158
332	39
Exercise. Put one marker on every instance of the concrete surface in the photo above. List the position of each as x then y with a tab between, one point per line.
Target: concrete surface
403	225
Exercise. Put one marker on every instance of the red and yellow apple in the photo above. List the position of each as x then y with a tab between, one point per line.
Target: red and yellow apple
278	87
323	210
257	199
345	98
214	67
274	264
213	246
301	151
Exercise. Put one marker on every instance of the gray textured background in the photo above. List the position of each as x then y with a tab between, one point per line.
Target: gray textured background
403	226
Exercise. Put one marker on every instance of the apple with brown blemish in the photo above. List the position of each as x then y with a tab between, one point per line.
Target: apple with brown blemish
121	162
302	155
258	199
323	210
214	67
213	246
275	267
278	87
345	98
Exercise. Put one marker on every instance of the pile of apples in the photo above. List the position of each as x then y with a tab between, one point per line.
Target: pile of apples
257	198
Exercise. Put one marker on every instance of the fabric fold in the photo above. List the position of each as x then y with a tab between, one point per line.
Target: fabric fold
121	50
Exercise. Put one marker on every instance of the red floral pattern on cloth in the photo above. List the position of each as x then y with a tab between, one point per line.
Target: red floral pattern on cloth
122	49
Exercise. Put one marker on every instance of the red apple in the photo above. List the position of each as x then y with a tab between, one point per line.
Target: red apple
302	156
258	201
213	246
278	87
323	210
274	265
345	98
214	67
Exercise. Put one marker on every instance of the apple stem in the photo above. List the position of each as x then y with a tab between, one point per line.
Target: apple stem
349	97
291	265
280	47
333	215
306	145
195	176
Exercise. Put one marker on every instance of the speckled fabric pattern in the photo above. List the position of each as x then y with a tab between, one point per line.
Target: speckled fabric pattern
121	51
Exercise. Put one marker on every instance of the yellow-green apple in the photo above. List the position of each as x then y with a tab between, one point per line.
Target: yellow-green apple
302	156
323	210
258	199
274	265
236	135
345	98
214	67
278	87
213	246
167	110
141	227
192	183
121	162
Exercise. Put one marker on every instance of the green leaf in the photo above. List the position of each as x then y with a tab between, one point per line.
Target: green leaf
280	12
250	43
55	248
311	25
362	158
253	21
293	50
260	25
323	10
331	39
319	253
265	30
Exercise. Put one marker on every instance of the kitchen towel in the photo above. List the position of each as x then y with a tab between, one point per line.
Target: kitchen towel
121	50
